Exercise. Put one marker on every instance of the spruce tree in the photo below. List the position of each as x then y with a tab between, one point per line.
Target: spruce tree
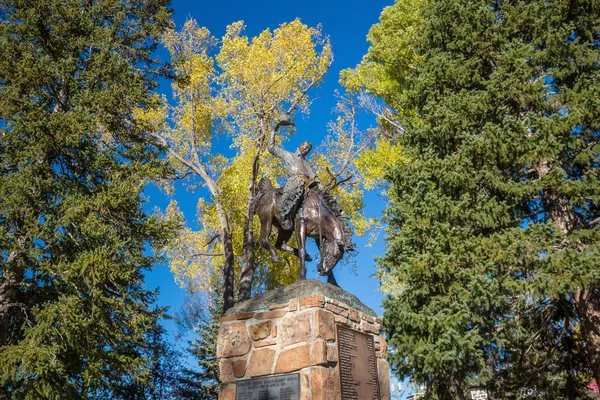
74	239
494	219
202	381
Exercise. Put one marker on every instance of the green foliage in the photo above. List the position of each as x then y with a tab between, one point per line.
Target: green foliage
202	382
74	240
242	91
493	235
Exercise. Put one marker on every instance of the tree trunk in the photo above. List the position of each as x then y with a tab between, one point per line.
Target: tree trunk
586	301
249	266
587	305
228	271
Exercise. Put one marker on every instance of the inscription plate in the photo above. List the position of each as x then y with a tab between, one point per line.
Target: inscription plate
358	365
280	387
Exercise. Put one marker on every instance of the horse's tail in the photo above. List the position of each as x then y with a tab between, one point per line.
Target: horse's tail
264	185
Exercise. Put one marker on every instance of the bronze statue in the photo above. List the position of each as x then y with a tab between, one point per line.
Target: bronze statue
300	174
314	219
304	204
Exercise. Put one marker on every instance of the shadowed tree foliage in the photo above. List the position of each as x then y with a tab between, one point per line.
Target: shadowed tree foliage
202	381
74	240
493	220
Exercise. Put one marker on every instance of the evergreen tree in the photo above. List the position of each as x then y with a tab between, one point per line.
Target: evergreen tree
494	231
162	365
74	239
202	382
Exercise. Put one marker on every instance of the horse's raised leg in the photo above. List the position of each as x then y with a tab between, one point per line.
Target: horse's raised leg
301	240
265	231
282	245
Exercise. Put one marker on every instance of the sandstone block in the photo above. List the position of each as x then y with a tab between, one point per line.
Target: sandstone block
342	320
295	328
261	362
384	379
233	340
324	325
319	352
225	370
293	305
264	343
337	310
260	331
270	314
227	392
332	353
325	384
274	331
317	300
277	306
370	328
239	368
236	317
382	351
353	315
293	359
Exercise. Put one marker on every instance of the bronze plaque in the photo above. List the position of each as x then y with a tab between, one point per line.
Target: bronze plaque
358	365
279	387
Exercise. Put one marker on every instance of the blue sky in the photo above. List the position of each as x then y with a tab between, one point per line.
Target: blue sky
347	24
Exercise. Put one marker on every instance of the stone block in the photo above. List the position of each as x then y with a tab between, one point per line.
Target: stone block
227	392
260	331
293	359
236	317
274	331
332	353
270	314
295	328
342	320
225	370
318	352
264	343
370	328
324	384
261	362
382	351
384	379
317	300
277	306
336	310
353	315
293	305
233	340
239	368
324	325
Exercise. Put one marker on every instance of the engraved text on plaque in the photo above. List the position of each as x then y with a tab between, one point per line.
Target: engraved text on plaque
280	387
358	365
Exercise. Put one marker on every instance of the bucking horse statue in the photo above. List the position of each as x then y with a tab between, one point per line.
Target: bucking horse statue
314	219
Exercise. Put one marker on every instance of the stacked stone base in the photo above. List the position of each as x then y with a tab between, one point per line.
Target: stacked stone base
296	336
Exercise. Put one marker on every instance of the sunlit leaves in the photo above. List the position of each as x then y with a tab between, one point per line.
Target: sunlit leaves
264	75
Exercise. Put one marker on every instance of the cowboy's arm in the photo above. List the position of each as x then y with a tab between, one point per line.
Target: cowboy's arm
273	148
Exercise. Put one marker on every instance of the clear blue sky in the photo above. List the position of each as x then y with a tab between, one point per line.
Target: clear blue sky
347	23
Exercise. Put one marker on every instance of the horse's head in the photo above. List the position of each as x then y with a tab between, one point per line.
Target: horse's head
331	253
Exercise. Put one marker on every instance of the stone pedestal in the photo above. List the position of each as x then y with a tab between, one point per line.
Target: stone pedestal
295	330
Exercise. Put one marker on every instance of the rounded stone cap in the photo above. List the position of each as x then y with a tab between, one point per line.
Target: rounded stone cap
307	287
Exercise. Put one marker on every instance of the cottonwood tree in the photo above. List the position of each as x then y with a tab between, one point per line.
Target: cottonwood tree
74	240
244	88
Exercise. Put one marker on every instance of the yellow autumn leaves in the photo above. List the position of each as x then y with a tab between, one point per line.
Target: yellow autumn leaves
238	87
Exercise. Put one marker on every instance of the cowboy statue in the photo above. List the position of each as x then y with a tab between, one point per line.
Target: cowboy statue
301	176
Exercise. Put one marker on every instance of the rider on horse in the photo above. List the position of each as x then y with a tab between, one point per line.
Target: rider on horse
300	174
